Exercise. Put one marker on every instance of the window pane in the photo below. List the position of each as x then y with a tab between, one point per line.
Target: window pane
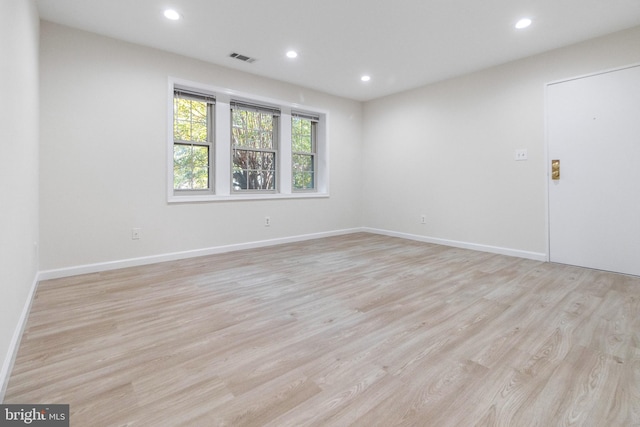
190	167
302	162
266	122
266	140
252	139
190	120
303	180
302	142
253	170
301	135
252	129
238	135
303	171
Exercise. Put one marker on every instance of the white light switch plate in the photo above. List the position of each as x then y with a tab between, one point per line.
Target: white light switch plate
521	154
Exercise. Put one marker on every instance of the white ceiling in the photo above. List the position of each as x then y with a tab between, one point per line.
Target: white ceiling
402	44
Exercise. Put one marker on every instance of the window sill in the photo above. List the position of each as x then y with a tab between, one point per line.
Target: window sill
244	197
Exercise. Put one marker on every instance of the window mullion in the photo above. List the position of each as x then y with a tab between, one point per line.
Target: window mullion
285	162
222	148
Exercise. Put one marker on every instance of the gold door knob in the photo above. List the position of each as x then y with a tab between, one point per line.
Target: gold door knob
555	170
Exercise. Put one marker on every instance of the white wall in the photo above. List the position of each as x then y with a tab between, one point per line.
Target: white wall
444	150
18	167
447	150
103	157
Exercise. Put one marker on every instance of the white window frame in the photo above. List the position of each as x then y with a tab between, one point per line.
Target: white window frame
275	116
209	143
222	168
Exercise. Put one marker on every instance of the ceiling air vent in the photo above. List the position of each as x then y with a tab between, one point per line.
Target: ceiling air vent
242	57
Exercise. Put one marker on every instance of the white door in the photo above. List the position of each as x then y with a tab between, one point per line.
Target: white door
593	126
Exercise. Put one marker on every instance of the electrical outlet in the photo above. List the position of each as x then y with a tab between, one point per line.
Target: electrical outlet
423	219
136	233
267	221
521	154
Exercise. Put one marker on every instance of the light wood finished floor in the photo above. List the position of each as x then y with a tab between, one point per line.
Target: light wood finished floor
361	330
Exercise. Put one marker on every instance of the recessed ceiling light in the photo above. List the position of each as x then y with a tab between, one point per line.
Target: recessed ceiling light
365	78
171	14
292	54
523	23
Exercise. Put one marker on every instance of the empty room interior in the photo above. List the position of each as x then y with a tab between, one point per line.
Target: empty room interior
333	213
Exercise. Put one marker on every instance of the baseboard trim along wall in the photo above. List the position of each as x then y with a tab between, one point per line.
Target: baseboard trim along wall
134	262
536	256
153	259
14	345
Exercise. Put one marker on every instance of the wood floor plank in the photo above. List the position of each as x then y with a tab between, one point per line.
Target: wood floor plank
361	330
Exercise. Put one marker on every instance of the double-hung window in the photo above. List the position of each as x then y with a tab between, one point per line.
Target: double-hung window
254	143
192	141
224	144
303	150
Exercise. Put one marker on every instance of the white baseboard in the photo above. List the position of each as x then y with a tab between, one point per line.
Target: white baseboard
14	345
536	256
134	262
